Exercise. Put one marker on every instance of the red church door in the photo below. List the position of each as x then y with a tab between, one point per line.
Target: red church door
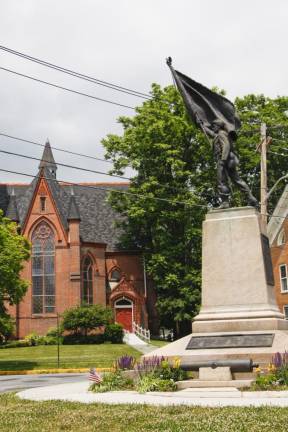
123	313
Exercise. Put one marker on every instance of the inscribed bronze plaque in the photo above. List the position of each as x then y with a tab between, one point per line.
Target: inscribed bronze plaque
231	341
267	260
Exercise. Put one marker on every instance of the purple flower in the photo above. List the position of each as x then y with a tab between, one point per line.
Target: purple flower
277	360
149	364
125	362
280	360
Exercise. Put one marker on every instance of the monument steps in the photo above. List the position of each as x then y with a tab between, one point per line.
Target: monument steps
199	384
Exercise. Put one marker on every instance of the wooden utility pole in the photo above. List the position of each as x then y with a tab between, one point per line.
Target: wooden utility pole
263	194
262	148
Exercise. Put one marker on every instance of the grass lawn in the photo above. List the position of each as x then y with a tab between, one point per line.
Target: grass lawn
71	356
54	416
158	343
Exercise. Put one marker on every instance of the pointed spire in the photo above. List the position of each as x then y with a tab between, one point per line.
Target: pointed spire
48	159
73	210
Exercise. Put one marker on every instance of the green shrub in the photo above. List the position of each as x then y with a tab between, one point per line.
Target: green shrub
81	320
170	372
15	344
112	381
33	339
53	332
79	339
7	326
52	340
264	382
114	333
150	382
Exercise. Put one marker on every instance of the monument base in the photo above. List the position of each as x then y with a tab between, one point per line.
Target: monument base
261	355
239	317
240	325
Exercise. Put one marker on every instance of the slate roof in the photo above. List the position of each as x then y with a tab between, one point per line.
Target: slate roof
47	157
86	202
73	210
97	218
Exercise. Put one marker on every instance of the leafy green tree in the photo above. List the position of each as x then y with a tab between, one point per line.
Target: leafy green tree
14	250
167	152
253	110
173	161
82	319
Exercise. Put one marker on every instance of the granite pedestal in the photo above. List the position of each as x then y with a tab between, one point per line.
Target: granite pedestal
238	299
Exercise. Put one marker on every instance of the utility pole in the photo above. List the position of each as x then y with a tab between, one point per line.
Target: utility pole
262	148
263	194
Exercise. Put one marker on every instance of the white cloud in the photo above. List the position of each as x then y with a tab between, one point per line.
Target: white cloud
238	46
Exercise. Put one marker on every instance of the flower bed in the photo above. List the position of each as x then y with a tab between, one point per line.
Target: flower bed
152	374
275	376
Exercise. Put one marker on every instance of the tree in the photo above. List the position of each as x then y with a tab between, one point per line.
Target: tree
253	110
82	319
166	151
14	251
173	161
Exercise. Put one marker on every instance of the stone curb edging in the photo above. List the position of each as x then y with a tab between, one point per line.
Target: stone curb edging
50	371
78	392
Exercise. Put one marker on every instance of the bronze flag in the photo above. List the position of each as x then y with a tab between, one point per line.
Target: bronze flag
203	105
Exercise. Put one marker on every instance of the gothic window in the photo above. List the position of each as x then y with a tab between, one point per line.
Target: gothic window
87	281
281	238
42	203
123	302
43	269
115	275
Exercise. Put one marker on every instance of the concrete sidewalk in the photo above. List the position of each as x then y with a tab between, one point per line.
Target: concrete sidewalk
11	383
78	392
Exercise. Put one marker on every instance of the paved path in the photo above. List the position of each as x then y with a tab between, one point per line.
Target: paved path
145	349
78	392
135	342
18	382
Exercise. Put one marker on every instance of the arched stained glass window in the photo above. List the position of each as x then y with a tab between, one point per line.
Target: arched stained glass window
43	269
87	281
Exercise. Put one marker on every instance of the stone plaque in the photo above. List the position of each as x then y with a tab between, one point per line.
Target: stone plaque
231	341
267	260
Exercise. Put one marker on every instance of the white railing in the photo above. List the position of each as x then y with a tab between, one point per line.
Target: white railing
141	332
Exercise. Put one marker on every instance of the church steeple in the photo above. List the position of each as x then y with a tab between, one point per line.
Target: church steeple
48	159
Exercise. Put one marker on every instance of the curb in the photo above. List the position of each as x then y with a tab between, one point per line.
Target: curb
50	371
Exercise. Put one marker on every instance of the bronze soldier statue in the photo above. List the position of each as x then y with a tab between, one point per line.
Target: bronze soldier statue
227	162
218	119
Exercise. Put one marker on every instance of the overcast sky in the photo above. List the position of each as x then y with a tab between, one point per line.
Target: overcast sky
240	46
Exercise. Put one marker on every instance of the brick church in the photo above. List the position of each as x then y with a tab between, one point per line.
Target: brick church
278	236
75	255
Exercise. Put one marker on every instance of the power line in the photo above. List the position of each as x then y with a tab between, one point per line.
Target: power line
75	167
65	88
57	148
83	155
77	74
64	165
69	183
